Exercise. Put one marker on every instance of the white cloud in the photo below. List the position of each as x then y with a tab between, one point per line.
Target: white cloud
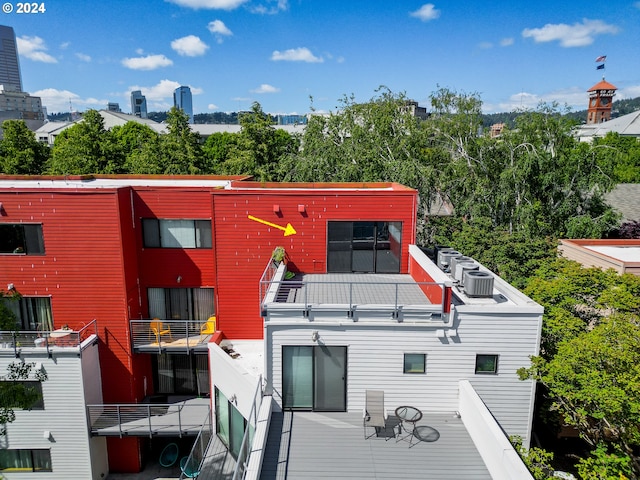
265	88
218	26
271	8
219	29
34	49
209	4
296	55
189	46
576	35
426	12
150	62
575	98
506	42
212	106
83	57
485	45
65	45
632	91
58	100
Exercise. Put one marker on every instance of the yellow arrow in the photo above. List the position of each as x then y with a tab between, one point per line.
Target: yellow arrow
288	230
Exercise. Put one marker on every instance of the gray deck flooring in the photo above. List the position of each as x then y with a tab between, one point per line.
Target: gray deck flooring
364	289
307	445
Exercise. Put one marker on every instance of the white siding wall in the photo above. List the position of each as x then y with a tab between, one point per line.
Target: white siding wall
63	415
376	354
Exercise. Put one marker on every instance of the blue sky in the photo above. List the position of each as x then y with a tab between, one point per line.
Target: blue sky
282	53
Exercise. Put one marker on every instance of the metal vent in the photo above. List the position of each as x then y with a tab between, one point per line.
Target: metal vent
461	268
478	284
445	257
456	261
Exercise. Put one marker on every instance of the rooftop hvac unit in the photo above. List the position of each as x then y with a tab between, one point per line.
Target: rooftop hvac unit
462	268
445	257
455	261
478	284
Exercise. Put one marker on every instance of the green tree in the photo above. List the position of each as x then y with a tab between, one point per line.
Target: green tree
140	146
594	383
17	394
20	152
180	146
256	150
86	147
379	140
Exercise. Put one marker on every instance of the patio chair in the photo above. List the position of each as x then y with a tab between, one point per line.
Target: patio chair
169	455
189	468
208	328
374	414
157	328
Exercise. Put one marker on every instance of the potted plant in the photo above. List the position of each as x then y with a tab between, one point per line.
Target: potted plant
278	255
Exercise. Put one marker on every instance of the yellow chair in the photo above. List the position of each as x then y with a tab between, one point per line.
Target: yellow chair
208	328
158	329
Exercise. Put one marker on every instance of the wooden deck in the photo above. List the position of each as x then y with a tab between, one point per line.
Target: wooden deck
308	445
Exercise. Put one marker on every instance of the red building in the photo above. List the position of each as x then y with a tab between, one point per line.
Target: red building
124	250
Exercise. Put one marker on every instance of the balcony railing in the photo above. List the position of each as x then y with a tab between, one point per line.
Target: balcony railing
49	341
168	419
172	335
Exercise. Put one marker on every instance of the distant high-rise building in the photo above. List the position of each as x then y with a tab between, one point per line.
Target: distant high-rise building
138	104
9	65
182	100
113	107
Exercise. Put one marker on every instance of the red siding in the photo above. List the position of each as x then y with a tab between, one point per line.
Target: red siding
162	267
433	292
243	246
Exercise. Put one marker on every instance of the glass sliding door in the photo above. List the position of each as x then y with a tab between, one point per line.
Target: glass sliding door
297	386
367	247
314	378
329	373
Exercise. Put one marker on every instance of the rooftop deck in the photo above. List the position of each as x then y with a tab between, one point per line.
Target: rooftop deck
356	296
310	445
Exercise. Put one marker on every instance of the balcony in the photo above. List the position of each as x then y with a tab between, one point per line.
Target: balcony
149	420
174	336
33	342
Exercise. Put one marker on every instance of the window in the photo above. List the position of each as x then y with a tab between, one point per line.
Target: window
181	303
21	238
230	424
32	313
486	363
24	460
22	389
364	246
176	233
415	363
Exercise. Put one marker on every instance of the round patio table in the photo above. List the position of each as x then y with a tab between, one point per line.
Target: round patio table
408	414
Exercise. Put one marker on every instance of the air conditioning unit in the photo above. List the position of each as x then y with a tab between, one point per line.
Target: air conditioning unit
455	261
478	284
445	257
462	268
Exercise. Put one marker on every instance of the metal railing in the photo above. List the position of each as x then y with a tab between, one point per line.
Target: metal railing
159	335
397	300
266	278
48	340
198	452
175	419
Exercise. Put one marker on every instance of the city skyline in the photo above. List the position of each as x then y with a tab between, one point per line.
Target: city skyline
294	56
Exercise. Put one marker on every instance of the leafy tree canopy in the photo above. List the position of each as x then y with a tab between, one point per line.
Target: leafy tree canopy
20	152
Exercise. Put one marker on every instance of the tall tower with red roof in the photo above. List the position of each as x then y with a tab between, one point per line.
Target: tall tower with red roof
600	100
